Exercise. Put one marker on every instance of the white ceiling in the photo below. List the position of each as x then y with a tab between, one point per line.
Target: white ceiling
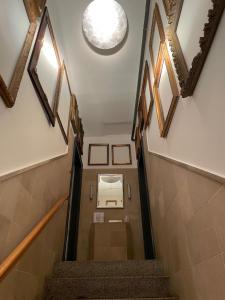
105	85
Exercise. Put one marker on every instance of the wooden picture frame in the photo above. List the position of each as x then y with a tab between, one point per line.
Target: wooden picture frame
137	141
74	114
156	21
34	8
188	78
141	120
9	93
114	161
80	135
164	121
32	68
65	131
147	103
103	163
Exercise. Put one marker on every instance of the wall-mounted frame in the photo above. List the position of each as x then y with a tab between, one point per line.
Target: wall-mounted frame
121	154
98	155
9	93
137	140
74	114
64	104
34	8
166	102
45	68
157	36
147	95
141	120
80	135
188	77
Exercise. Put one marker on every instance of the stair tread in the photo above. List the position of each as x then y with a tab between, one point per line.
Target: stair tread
141	280
122	287
90	268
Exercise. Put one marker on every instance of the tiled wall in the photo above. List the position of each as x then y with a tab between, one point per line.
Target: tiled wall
188	214
24	200
131	209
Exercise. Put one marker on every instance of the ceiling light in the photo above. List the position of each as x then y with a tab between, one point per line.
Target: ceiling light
105	23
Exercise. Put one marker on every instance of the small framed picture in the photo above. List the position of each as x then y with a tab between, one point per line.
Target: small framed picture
98	155
121	154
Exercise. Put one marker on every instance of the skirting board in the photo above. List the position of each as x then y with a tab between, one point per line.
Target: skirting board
191	168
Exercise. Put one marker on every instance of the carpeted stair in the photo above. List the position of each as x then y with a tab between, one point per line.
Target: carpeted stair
108	280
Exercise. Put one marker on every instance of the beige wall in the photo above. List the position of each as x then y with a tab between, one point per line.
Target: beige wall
188	215
131	209
24	200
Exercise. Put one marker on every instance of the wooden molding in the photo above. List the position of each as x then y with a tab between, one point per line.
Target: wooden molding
11	260
157	20
89	154
173	10
188	79
121	146
165	121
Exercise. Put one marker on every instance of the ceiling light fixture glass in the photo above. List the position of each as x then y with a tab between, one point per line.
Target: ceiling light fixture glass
105	23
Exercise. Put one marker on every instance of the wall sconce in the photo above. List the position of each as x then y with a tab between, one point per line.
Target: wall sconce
129	191
91	193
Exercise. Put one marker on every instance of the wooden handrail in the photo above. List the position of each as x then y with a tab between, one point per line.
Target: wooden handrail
13	257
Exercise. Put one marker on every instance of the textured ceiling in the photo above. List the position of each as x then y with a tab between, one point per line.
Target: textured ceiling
105	85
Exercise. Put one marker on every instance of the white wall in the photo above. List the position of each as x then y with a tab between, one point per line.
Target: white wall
26	136
111	140
105	85
196	136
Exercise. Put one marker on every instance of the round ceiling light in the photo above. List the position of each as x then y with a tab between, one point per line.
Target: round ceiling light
105	23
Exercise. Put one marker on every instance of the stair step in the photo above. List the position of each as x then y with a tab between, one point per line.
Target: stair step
102	269
167	298
107	288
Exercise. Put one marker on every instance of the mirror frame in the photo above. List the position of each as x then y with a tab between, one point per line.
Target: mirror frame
32	68
98	192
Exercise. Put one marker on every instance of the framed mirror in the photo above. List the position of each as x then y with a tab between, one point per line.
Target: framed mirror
45	68
110	191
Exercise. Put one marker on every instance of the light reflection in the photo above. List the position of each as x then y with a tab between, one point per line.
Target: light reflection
49	53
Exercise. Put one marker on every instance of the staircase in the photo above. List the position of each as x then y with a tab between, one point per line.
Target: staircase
108	280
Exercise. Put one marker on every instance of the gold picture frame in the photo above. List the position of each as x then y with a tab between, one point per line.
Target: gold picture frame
188	77
156	21
147	88
164	121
